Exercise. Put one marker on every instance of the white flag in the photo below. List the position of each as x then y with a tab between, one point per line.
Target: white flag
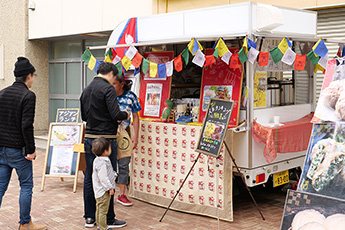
131	52
226	57
289	57
199	59
169	67
116	59
323	61
252	54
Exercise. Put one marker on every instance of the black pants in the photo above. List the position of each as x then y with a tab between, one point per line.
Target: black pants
89	196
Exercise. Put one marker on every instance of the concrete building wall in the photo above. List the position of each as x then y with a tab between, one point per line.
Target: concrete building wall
14	37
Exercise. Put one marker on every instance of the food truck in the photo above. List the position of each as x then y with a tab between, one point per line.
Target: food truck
270	125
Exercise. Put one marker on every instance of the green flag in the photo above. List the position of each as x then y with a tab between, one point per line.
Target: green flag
86	56
242	55
109	53
185	55
276	55
145	65
119	68
215	53
313	58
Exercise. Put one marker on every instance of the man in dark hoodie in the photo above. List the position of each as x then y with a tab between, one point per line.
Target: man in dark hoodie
100	110
17	143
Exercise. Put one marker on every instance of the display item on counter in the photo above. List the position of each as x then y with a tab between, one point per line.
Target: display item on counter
167	109
340	106
332	93
305	217
335	222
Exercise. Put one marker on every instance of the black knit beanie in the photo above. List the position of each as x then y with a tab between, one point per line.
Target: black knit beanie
23	67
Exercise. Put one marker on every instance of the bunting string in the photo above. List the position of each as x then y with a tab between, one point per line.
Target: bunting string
284	52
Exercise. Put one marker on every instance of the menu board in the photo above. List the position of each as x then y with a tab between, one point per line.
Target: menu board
214	127
221	81
67	115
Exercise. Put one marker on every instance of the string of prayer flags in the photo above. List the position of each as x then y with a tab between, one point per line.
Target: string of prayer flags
126	62
300	61
169	67
276	55
210	59
264	58
242	55
119	68
199	59
96	66
108	56
86	56
235	61
314	59
284	45
116	59
185	55
226	57
92	62
145	65
289	57
247	44
137	59
194	46
320	48
222	48
131	52
178	63
153	69
323	61
161	71
252	54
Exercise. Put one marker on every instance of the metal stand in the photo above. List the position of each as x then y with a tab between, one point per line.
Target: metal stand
233	160
177	192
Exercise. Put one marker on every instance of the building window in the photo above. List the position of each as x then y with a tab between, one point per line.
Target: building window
68	74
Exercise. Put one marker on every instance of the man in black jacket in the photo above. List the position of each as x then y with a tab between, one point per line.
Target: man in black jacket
17	144
100	110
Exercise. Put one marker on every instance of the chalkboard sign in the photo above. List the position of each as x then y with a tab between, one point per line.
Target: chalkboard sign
214	127
67	115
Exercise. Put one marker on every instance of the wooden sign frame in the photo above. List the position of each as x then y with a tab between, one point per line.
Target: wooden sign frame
225	127
61	140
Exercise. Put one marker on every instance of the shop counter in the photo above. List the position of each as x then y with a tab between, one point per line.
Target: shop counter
163	158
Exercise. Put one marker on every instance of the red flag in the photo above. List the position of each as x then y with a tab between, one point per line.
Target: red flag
137	59
263	58
128	36
178	63
234	61
114	53
300	62
210	59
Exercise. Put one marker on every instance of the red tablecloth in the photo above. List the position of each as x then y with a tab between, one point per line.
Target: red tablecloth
293	136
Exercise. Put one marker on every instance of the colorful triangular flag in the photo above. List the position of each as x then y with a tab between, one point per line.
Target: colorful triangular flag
234	61
145	65
276	55
128	36
300	61
284	45
215	53
314	59
169	68
153	69
226	57
137	59
289	57
222	48
194	46
86	56
96	66
252	54
131	52
92	62
264	58
119	68
126	62
320	48
185	55
210	59
199	59
161	70
178	63
242	55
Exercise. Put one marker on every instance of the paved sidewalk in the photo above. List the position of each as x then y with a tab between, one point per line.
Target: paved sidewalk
61	209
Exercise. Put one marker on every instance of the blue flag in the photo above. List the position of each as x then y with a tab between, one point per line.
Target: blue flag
251	44
96	65
136	71
343	52
162	70
321	49
195	46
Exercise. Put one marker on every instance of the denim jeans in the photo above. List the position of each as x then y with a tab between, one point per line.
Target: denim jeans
89	196
11	158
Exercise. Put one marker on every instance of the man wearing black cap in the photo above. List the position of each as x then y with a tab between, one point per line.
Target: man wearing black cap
17	144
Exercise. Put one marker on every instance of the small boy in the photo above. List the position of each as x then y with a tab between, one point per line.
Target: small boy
103	180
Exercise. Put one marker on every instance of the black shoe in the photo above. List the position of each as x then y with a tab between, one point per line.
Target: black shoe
89	222
117	224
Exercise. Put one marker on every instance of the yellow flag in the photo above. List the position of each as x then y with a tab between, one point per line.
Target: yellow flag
153	69
107	59
245	45
92	62
192	44
126	62
222	49
318	67
283	45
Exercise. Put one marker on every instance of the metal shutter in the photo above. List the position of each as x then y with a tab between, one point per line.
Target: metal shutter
330	24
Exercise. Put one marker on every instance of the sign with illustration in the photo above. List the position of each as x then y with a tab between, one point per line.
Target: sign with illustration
220	81
260	85
324	171
153	99
215	126
67	115
306	211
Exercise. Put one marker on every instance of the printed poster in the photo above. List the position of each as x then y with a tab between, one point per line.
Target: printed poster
65	135
324	171
153	99
62	158
215	91
260	87
305	211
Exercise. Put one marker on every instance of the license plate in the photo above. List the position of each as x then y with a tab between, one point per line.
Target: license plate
281	178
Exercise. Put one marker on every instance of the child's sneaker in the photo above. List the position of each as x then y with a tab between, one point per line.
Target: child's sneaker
122	199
